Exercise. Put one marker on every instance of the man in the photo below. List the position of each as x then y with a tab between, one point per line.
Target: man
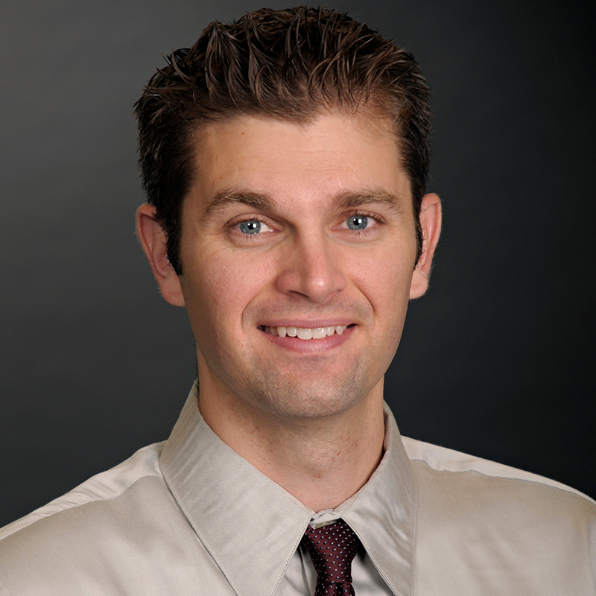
285	160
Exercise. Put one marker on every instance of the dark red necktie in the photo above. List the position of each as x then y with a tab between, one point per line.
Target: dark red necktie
332	549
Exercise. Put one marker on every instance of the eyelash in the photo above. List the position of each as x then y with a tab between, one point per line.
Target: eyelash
250	237
235	227
375	217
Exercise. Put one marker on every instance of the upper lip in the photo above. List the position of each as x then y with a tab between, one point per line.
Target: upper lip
308	324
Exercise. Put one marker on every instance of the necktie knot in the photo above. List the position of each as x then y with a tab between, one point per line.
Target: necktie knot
332	549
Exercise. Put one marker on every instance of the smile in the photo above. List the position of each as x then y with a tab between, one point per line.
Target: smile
304	332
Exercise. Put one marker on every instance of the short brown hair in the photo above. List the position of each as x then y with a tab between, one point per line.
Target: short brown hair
289	64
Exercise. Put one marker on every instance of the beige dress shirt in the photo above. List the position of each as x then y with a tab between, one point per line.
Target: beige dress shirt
191	517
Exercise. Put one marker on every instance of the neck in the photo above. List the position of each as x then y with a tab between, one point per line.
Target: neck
320	461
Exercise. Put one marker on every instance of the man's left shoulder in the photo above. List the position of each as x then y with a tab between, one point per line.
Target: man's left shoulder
452	470
502	529
500	499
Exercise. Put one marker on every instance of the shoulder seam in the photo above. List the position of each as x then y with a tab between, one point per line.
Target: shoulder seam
70	506
548	483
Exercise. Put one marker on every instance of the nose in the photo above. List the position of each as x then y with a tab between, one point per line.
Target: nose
311	268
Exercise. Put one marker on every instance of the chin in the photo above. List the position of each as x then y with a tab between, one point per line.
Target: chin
310	399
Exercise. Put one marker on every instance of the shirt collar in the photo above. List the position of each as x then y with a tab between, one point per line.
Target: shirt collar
252	527
383	513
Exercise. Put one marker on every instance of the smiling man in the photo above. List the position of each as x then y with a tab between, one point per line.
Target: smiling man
285	158
299	256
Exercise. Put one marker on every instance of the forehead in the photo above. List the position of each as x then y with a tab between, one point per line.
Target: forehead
303	162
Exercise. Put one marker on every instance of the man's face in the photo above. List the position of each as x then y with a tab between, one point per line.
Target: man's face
302	227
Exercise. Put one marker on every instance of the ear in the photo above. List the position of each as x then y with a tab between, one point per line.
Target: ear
430	222
153	241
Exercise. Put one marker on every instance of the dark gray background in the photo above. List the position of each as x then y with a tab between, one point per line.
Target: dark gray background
498	360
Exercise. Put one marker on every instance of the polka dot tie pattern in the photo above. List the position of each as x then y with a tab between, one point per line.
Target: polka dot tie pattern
332	549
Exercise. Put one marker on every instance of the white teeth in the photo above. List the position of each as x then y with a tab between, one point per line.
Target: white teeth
305	333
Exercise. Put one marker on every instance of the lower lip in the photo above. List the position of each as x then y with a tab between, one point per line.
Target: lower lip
310	346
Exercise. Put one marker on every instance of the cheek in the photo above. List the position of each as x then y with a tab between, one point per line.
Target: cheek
228	283
384	277
384	280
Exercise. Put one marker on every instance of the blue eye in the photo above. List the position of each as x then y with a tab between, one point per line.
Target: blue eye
357	222
252	226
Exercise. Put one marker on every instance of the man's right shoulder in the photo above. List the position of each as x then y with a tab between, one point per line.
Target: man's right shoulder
105	486
109	536
62	546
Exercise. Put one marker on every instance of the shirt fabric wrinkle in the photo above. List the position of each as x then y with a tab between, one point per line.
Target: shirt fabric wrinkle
192	516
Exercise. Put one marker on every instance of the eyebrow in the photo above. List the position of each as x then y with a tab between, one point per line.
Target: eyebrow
350	199
264	202
259	201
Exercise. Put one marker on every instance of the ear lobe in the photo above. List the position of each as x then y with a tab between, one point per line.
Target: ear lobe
430	222
153	241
